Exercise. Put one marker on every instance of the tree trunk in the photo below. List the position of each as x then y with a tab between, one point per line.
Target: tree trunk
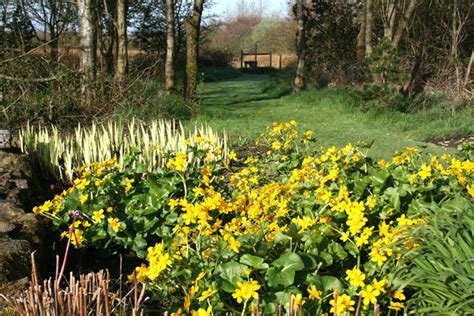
170	81
360	46
298	83
397	36
390	21
121	69
87	55
467	78
369	24
53	32
192	26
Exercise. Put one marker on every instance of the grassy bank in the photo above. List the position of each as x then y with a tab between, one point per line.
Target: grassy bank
243	107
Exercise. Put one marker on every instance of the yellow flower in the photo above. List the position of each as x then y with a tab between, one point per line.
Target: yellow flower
179	312
98	216
77	237
234	244
425	172
343	304
99	182
81	183
202	312
314	294
187	303
206	294
355	277
344	236
371	202
109	209
397	306
246	290
83	198
158	260
173	203
140	273
379	285
193	291
115	223
200	276
304	223
233	156
470	190
276	145
369	294
399	295
383	164
298	301
128	184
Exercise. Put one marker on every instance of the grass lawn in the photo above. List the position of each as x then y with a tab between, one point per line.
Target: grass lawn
239	107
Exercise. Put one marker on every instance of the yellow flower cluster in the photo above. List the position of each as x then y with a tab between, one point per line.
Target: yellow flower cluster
246	290
158	260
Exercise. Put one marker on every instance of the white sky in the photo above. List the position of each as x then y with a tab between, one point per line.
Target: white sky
270	7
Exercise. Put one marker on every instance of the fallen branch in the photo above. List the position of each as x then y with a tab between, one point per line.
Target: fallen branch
37	80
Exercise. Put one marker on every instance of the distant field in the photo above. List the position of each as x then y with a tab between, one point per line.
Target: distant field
287	60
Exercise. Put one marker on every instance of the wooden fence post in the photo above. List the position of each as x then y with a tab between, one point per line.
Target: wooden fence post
271	60
280	62
241	59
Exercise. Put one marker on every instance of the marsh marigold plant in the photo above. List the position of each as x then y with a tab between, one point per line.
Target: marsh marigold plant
297	226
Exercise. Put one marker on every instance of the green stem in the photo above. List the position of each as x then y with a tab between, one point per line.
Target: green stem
245	307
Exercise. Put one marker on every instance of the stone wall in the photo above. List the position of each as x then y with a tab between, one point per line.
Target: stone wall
20	232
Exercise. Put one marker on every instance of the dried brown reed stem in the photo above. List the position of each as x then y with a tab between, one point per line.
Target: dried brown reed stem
88	294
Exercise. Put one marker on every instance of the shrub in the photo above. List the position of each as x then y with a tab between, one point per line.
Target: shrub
293	228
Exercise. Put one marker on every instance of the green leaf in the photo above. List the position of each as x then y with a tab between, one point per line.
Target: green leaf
231	271
254	262
289	261
282	272
330	283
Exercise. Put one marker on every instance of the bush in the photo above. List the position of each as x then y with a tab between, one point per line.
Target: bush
297	227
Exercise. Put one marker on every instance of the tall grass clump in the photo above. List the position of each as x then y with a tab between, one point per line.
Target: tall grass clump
441	272
60	155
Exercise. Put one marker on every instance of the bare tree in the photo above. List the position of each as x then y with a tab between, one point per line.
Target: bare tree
192	25
170	80
396	16
87	56
369	24
360	44
54	17
299	83
121	68
402	25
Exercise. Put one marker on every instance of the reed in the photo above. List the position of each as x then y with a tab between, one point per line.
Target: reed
88	294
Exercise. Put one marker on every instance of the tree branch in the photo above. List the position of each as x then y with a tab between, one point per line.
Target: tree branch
35	80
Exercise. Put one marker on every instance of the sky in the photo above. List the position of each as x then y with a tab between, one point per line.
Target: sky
224	8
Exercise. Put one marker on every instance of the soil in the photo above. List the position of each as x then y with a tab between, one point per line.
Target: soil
454	142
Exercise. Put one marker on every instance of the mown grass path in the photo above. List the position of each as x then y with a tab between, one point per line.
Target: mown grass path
239	107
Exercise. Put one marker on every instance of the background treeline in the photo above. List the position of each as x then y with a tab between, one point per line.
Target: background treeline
394	48
73	60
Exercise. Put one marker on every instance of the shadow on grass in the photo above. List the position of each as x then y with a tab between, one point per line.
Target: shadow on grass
239	91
